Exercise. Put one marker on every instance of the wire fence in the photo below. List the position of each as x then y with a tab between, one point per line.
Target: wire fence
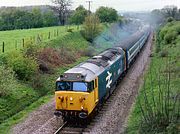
35	39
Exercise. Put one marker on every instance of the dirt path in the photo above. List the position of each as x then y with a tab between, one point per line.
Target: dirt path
42	121
114	119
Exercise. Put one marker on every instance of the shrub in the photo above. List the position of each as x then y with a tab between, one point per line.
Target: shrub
7	81
24	67
164	53
159	112
170	19
36	82
70	30
67	55
31	50
170	37
91	28
49	56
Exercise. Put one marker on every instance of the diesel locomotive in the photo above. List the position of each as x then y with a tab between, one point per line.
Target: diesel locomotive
80	89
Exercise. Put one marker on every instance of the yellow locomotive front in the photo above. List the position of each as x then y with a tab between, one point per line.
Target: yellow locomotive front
75	97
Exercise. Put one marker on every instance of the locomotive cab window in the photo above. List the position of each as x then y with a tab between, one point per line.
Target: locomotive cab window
72	86
91	86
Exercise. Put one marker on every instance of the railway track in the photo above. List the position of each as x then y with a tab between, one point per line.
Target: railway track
69	128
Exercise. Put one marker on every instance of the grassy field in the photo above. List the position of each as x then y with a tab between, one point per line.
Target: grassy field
14	39
157	106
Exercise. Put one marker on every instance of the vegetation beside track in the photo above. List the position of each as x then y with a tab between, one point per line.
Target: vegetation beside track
157	106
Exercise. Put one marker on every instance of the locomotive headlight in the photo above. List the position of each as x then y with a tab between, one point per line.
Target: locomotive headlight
70	98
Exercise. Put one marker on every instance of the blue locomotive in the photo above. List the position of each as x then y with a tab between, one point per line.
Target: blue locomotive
80	89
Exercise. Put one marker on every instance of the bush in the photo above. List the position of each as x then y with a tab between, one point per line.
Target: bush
107	14
91	28
7	81
70	30
49	58
170	37
24	67
31	50
67	55
164	53
159	105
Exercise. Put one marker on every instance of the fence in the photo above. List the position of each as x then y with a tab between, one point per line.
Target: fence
38	39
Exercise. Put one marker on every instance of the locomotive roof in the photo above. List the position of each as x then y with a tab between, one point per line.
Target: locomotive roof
90	69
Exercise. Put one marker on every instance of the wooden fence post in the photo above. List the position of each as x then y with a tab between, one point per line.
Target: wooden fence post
23	42
3	47
49	37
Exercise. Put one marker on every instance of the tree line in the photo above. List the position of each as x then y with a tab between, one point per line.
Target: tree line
166	14
60	14
15	18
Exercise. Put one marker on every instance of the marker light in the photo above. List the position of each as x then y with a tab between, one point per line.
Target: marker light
71	98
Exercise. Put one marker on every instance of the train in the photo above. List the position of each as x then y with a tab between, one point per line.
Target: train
82	88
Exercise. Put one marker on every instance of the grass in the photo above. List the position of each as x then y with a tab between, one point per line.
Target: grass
156	107
6	126
72	40
14	39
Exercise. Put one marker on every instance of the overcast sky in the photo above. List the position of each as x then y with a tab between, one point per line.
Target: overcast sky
127	5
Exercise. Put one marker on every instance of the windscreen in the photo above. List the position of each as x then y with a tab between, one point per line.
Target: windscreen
72	86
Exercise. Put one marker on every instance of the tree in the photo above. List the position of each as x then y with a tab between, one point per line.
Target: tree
170	11
49	19
107	14
79	15
37	18
91	27
62	9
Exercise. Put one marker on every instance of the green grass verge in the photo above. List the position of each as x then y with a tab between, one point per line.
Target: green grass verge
154	94
6	126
